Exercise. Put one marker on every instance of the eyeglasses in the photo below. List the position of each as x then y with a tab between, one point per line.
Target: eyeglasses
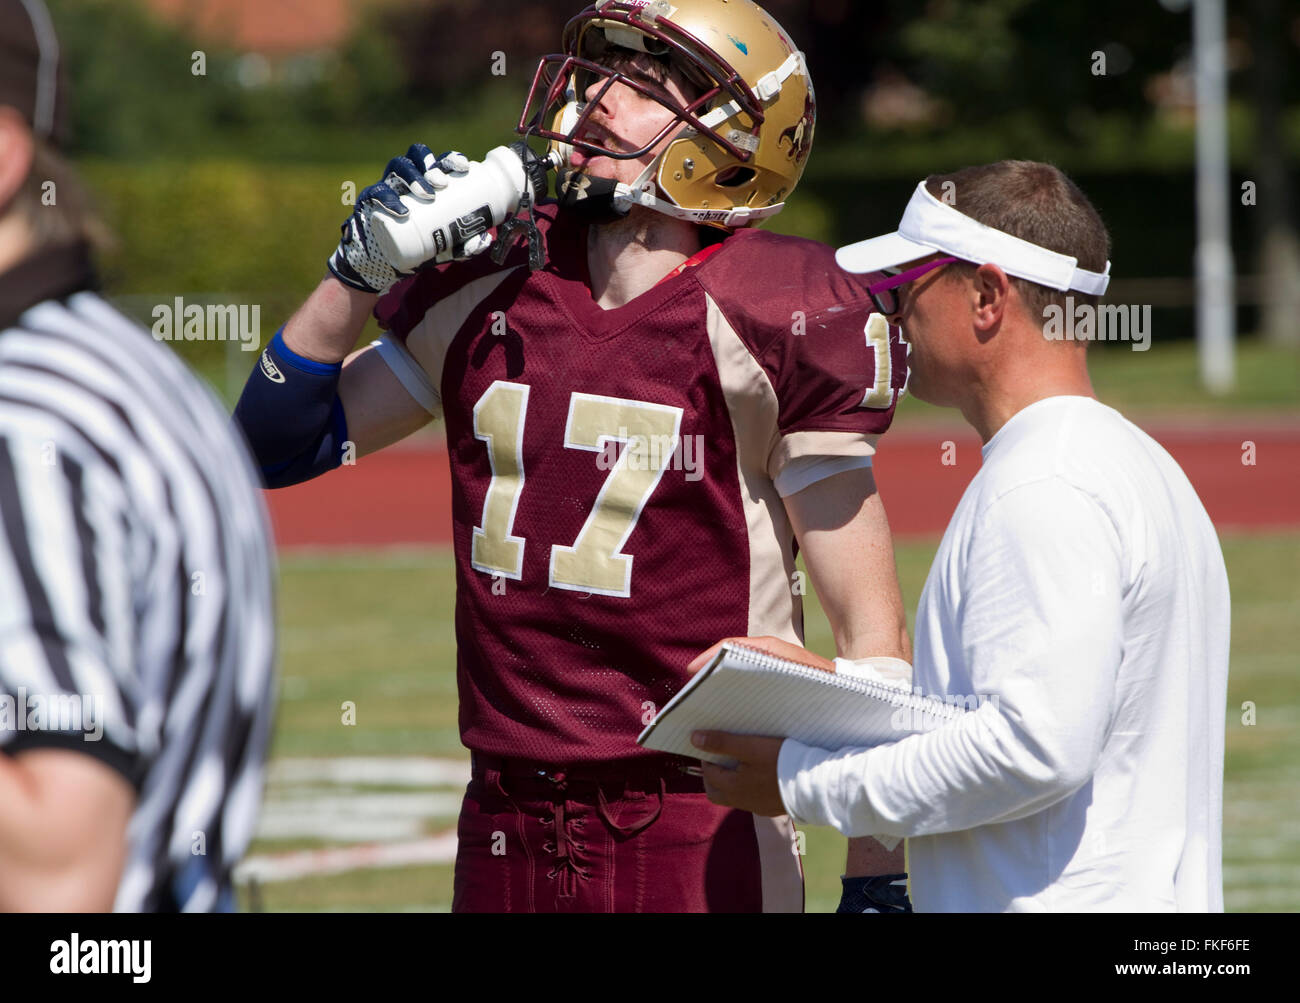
884	295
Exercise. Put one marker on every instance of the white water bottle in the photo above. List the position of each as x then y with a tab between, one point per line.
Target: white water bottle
470	205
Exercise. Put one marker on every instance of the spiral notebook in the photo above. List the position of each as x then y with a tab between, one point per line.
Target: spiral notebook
750	692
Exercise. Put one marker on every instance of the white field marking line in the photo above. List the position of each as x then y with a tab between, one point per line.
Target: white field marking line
1285	807
1255	873
1283	798
1281	810
396	771
364	818
439	849
1264	851
1239	825
333	800
1262	898
414	805
1261	781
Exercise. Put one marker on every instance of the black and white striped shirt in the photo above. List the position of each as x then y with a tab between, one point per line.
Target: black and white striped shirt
135	577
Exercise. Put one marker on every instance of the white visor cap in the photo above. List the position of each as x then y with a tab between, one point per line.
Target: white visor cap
929	225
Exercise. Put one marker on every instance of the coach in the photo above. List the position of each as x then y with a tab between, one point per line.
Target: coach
1079	589
135	588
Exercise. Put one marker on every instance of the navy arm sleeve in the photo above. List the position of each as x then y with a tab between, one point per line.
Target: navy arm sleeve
291	416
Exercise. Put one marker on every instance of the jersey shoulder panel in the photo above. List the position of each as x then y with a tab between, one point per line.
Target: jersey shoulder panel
763	281
835	365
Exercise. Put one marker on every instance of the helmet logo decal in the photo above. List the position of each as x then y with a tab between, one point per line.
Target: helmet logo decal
800	134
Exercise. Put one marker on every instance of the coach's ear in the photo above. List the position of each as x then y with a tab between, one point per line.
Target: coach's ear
991	290
16	151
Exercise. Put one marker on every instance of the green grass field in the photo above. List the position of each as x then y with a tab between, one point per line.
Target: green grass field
376	630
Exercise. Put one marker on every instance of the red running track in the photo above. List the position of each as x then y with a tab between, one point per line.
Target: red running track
403	495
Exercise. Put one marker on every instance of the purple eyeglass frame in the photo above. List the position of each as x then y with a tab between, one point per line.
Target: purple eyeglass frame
911	275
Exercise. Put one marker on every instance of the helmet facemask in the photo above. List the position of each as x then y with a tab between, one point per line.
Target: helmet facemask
739	129
563	79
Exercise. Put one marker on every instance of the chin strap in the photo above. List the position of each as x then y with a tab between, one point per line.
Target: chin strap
643	194
602	200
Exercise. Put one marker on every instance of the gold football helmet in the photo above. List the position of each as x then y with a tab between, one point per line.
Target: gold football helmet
747	135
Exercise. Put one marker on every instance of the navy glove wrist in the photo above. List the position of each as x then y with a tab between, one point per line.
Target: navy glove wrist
878	893
357	262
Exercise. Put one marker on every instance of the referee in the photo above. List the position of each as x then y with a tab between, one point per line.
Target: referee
136	634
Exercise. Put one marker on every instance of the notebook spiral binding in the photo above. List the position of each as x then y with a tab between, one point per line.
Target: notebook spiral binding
931	706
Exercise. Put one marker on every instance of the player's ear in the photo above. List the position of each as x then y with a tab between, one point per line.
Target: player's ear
990	293
17	148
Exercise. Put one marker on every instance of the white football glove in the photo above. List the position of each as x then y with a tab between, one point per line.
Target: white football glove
358	262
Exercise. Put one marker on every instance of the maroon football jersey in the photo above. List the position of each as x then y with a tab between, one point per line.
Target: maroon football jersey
617	475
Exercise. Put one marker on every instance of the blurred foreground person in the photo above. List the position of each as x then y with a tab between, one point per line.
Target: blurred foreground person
136	633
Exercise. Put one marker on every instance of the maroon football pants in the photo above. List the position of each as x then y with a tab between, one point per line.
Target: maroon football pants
533	842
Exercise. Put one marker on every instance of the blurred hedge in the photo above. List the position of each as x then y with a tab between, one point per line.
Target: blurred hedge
218	229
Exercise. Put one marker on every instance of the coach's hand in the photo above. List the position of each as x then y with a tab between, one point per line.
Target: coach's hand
358	262
772	645
752	783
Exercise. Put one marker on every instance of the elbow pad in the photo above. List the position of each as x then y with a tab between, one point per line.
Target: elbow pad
291	415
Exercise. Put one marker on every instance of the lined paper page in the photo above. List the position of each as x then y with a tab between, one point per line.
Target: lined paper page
753	693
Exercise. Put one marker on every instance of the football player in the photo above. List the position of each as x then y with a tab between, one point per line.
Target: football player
642	433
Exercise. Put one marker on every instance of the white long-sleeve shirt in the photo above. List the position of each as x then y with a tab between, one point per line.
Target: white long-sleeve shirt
1080	589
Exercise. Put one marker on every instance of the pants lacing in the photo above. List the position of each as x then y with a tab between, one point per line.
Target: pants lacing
569	849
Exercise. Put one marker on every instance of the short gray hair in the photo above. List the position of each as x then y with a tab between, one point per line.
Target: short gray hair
1035	202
